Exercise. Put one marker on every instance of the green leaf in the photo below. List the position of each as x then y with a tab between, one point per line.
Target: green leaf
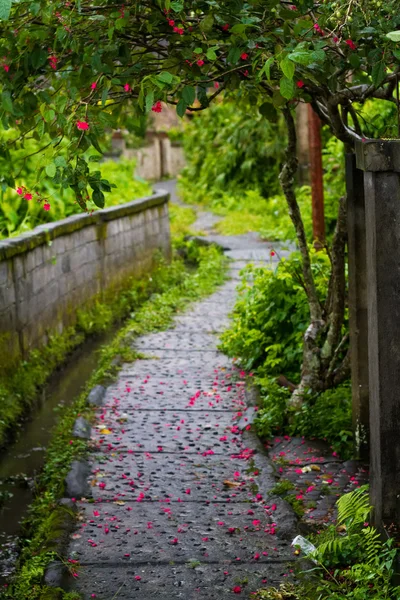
165	77
98	198
318	55
198	50
51	170
287	67
104	95
267	67
394	36
95	143
396	54
149	101
277	98
5	8
181	108
188	94
60	161
207	23
287	88
234	55
302	57
211	54
354	60
378	73
7	102
268	111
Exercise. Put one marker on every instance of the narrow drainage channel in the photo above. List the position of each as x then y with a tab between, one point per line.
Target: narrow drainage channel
22	460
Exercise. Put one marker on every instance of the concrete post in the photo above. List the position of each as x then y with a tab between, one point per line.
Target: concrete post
358	305
380	162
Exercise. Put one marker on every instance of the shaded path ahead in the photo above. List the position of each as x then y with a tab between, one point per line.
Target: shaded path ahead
164	524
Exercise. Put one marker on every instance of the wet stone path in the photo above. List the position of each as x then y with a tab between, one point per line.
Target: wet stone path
180	506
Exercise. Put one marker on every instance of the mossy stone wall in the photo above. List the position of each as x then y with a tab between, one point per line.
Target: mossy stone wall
50	272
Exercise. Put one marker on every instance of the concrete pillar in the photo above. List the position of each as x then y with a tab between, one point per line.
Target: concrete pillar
380	162
358	314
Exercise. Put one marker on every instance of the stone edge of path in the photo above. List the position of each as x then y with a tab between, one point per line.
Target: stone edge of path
76	487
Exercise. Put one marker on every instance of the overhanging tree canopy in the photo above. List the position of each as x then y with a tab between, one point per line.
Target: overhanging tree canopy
68	69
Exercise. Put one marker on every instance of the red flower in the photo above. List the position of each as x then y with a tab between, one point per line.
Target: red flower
28	196
351	44
174	541
46	206
127	87
19	191
157	107
179	30
246	73
318	28
200	62
336	39
225	27
244	56
137	577
237	589
171	22
82	125
6	68
300	83
93	86
272	253
53	62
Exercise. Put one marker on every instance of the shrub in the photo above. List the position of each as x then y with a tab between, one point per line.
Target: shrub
18	215
271	314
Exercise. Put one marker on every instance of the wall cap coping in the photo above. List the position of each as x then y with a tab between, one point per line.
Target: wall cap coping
378	155
46	233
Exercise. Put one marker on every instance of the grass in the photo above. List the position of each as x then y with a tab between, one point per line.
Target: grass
175	286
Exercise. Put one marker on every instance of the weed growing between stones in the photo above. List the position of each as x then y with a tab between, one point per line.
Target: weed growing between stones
174	287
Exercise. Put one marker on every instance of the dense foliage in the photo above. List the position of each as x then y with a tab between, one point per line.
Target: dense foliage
235	169
266	337
236	149
350	560
271	315
19	214
68	69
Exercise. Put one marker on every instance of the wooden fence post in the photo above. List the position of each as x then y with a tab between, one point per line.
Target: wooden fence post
380	161
358	314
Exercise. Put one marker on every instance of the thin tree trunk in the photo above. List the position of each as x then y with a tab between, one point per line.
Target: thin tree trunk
310	375
335	303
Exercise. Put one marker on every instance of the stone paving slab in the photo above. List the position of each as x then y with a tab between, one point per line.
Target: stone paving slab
176	340
318	474
184	477
157	431
216	324
177	581
150	531
175	360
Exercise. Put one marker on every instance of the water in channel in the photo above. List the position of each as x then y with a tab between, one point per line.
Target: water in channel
21	461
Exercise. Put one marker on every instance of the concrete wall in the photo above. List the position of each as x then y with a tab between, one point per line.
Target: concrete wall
57	268
159	158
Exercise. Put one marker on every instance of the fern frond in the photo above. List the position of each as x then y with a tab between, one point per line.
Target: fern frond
354	507
335	546
372	544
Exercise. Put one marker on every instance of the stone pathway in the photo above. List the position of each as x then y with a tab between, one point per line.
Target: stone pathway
179	483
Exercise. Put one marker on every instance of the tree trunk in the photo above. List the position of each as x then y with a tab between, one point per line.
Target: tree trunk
323	345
